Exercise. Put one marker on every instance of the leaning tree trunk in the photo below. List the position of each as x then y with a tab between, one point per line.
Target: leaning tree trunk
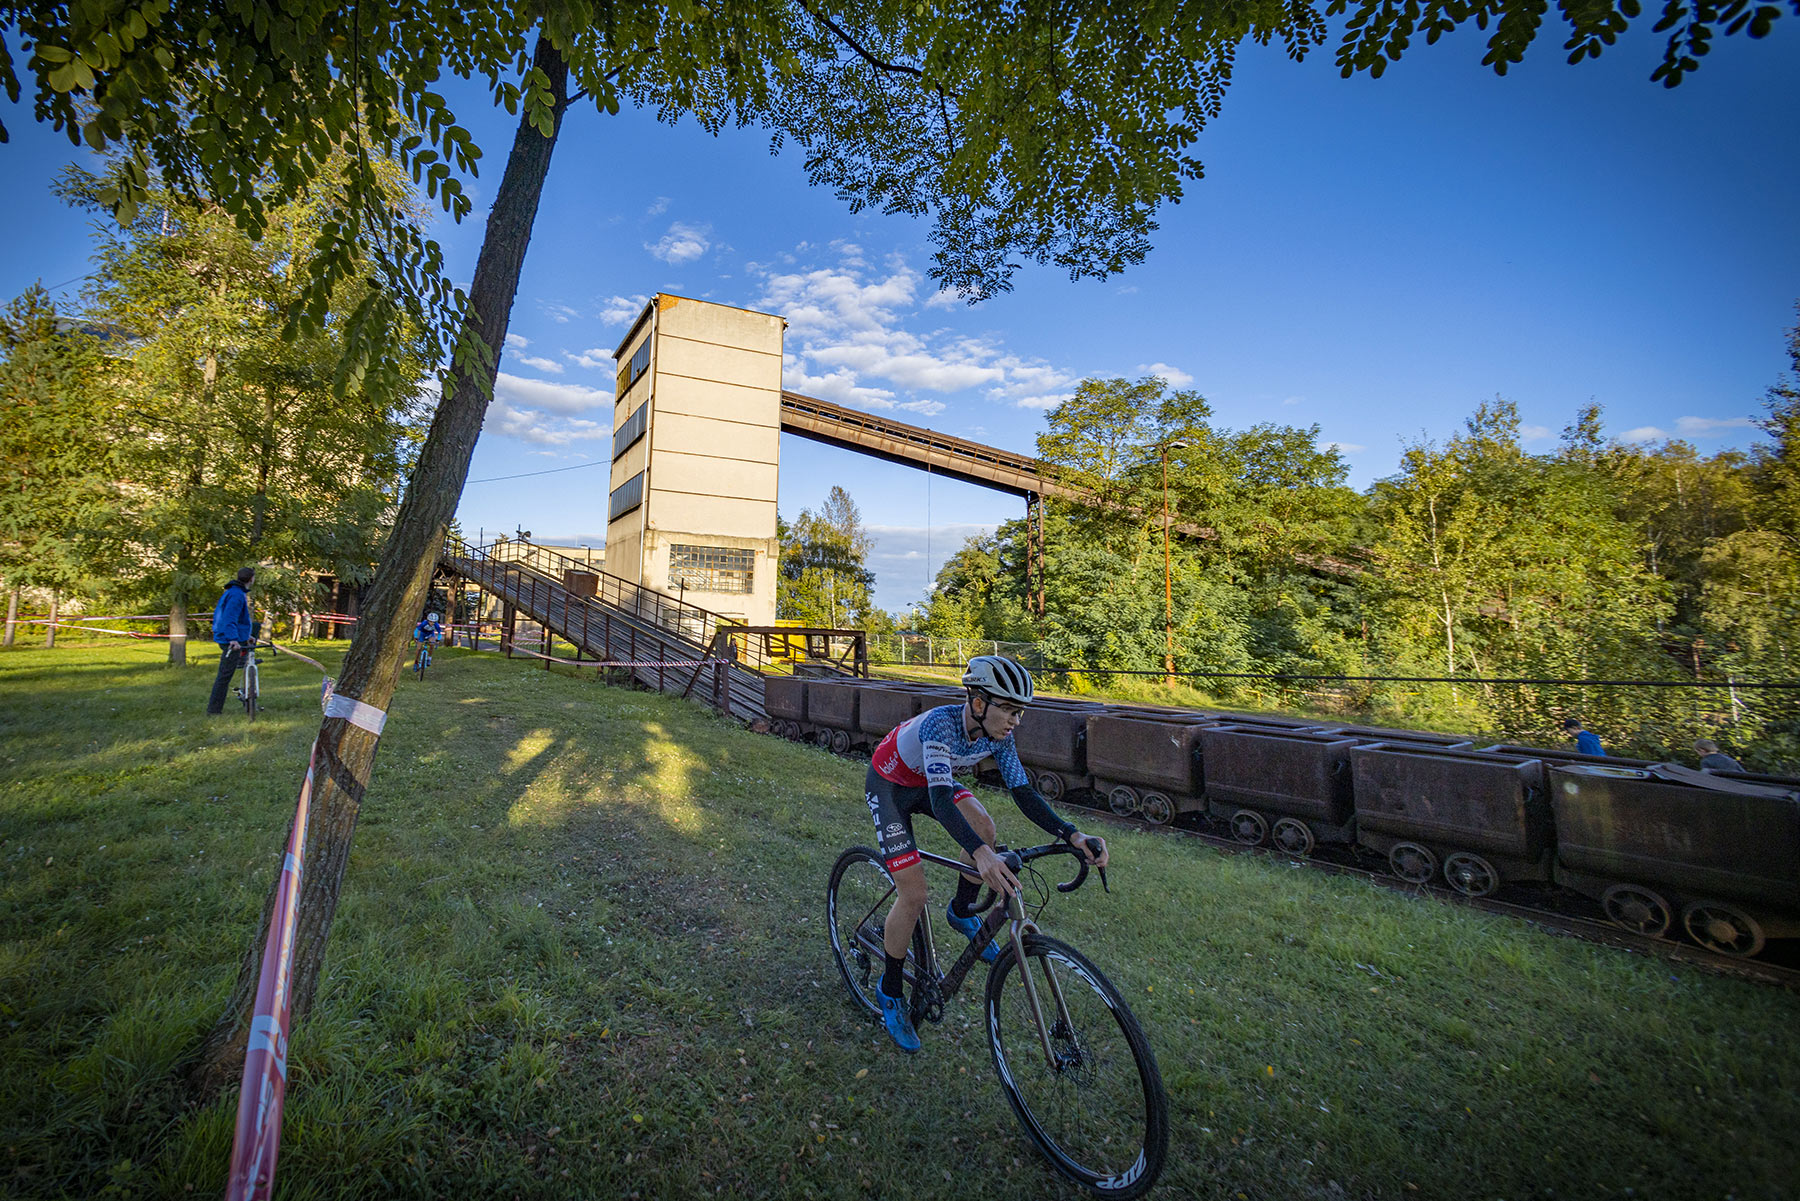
371	667
12	616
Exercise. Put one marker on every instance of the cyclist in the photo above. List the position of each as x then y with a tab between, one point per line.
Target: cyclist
429	631
911	773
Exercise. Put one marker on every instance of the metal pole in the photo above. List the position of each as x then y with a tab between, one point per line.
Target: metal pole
1168	584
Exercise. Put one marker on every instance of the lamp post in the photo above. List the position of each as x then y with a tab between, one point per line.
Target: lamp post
1168	574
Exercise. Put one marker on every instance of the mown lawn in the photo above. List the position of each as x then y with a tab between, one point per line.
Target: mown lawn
581	954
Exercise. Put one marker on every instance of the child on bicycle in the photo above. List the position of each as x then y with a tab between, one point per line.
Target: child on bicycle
911	773
429	632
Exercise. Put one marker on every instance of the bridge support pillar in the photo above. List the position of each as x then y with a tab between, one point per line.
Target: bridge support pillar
509	622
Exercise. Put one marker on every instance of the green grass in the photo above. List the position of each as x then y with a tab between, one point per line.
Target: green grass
581	954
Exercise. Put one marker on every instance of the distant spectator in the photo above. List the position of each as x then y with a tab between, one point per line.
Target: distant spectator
1713	759
231	630
1586	741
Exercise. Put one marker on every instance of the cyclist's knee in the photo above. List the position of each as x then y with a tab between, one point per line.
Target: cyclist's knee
909	882
979	820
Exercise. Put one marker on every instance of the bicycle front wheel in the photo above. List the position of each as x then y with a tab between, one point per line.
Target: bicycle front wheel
1095	1104
857	901
250	690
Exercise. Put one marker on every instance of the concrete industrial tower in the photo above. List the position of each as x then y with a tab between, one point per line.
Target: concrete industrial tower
696	454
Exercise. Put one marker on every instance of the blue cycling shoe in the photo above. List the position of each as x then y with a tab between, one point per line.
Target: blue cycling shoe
972	927
897	1020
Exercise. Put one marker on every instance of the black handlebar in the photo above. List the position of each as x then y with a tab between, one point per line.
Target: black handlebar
1060	848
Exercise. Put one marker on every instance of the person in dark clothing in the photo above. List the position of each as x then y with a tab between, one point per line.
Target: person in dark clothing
1713	759
1586	741
231	630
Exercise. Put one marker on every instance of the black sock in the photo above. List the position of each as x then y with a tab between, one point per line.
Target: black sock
893	983
967	891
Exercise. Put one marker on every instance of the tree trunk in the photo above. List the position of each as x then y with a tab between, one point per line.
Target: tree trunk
371	666
178	632
12	616
50	626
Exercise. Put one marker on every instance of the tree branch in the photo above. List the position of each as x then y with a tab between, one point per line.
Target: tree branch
851	42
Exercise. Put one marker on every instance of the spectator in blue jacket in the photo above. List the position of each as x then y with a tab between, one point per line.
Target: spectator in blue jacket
1586	741
231	630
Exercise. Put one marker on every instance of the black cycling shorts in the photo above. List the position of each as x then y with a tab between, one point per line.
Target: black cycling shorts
892	806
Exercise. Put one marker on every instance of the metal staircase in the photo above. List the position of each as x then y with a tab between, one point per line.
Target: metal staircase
621	623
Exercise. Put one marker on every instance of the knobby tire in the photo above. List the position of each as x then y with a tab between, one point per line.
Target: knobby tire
1102	1116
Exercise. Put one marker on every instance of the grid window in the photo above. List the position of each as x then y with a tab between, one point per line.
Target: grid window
626	497
711	568
634	368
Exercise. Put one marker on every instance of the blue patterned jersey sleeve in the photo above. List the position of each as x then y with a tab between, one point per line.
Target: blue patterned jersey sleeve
1006	758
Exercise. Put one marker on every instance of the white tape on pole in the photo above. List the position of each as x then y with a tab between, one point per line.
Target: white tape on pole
363	717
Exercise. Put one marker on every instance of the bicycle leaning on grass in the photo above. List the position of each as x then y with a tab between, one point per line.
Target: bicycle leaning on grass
1071	1058
249	691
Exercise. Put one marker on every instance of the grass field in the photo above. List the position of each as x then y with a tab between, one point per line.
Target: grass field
581	954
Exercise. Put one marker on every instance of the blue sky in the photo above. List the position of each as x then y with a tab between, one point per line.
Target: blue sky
1375	257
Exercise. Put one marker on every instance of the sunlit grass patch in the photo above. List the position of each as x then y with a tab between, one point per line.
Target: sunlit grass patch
580	953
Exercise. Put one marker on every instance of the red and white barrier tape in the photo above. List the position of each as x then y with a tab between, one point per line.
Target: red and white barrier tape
258	1138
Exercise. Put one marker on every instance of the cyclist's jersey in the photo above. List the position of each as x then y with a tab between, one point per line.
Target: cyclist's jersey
427	630
923	751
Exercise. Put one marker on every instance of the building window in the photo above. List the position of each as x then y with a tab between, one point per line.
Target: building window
627	435
634	367
711	568
626	497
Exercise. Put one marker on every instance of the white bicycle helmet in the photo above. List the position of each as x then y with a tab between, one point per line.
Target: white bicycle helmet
431	617
1000	678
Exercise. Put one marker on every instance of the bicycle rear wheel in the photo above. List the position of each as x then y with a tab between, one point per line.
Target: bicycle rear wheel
1098	1112
857	900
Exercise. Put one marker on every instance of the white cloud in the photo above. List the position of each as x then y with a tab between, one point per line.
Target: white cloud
947	298
1706	427
1533	433
1644	433
567	399
550	365
538	428
1293	400
516	342
617	310
848	339
595	359
559	313
1175	376
682	244
657	207
1347	448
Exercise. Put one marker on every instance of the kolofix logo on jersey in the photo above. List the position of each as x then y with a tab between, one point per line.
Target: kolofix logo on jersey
890	766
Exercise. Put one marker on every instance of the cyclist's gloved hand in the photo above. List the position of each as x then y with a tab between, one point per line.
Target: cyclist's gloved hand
994	872
1093	848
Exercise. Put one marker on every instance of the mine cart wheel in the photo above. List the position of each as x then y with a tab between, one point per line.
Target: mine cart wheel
1157	809
1470	874
840	742
1637	909
786	729
1249	827
1293	837
1051	786
1123	800
1722	928
1413	863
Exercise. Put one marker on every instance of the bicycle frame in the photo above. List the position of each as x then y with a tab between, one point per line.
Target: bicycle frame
947	984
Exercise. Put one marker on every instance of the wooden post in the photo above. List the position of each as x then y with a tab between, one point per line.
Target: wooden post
548	641
12	616
50	629
178	633
509	621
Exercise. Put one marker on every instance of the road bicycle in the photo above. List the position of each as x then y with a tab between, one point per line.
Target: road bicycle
249	691
1072	1060
423	660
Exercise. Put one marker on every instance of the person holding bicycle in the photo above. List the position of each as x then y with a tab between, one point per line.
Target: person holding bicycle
910	773
231	630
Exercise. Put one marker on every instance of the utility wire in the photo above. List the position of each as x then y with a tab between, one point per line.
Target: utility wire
547	471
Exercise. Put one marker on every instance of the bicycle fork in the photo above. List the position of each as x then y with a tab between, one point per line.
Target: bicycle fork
1022	925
